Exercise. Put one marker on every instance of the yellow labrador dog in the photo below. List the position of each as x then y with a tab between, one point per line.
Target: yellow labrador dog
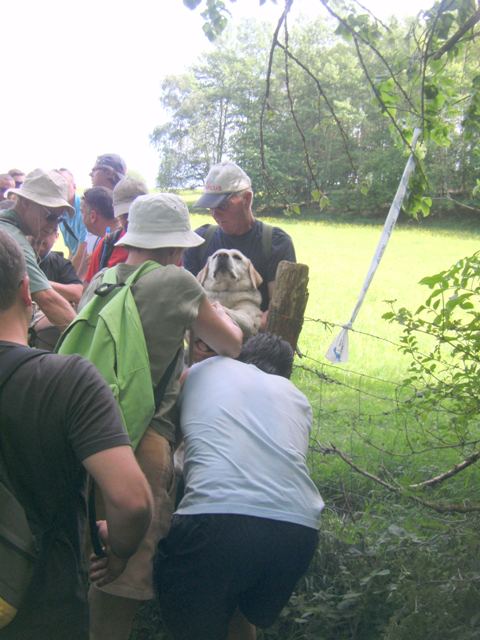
231	279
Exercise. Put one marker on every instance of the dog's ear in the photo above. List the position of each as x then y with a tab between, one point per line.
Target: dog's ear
203	274
255	278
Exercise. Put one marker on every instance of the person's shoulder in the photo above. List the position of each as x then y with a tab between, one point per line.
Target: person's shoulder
202	231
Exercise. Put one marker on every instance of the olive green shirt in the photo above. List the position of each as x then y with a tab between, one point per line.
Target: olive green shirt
168	300
10	223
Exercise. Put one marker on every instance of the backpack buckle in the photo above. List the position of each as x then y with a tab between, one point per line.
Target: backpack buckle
104	289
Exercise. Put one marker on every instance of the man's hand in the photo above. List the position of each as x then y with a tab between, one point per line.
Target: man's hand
201	351
107	568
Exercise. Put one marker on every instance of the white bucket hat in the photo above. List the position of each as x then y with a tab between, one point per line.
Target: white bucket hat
159	220
222	180
48	188
125	192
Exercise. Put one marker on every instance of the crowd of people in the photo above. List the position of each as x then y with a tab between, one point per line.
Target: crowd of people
225	559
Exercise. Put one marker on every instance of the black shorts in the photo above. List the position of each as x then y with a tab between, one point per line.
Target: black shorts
211	564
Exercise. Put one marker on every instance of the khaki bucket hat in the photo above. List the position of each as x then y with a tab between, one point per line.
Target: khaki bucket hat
159	220
48	188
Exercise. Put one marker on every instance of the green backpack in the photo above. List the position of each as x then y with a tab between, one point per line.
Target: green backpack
108	332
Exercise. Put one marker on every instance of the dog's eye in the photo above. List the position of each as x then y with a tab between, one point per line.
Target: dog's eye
236	256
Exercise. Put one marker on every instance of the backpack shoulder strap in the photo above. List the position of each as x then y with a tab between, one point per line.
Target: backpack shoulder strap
267	233
14	358
108	247
208	237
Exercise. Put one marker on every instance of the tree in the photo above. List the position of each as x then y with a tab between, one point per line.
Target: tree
415	91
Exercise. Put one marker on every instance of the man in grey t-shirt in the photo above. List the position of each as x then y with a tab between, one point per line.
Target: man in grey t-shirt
41	200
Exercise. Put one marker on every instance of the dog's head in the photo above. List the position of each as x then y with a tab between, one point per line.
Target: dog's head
229	269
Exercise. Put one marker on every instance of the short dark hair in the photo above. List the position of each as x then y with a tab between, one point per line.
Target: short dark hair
16	172
12	269
269	353
100	199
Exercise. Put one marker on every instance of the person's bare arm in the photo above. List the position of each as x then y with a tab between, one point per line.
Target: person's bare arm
71	292
127	497
55	307
216	328
128	505
77	259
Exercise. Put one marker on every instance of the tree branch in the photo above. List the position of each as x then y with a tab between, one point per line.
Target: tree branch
435	506
448	474
451	42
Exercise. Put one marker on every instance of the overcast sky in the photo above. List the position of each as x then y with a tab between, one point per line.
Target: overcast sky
83	78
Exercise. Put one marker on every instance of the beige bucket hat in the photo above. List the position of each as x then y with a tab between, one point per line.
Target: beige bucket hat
48	188
159	220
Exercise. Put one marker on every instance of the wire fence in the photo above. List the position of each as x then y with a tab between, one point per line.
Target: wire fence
383	429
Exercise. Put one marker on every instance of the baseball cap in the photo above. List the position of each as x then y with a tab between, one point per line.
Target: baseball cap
159	220
222	180
112	161
48	188
125	192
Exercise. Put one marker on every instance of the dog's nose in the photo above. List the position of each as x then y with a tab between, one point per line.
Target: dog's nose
222	257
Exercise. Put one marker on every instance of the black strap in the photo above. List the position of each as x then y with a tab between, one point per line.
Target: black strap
267	233
13	358
161	387
209	233
69	228
108	247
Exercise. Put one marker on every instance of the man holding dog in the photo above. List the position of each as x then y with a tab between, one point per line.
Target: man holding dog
246	528
60	420
229	196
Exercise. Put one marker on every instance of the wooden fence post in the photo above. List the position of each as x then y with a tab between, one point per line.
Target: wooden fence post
287	306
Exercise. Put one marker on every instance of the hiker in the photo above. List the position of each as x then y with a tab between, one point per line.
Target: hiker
18	176
246	528
72	227
63	279
6	183
59	420
106	254
169	301
229	196
98	217
109	169
41	200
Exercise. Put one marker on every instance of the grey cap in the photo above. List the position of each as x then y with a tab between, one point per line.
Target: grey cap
125	192
222	180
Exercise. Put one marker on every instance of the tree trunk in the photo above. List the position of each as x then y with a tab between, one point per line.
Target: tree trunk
287	306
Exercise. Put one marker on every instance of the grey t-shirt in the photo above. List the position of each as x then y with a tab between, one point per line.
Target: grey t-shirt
11	224
246	437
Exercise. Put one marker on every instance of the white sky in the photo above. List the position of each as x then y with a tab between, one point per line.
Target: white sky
83	78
